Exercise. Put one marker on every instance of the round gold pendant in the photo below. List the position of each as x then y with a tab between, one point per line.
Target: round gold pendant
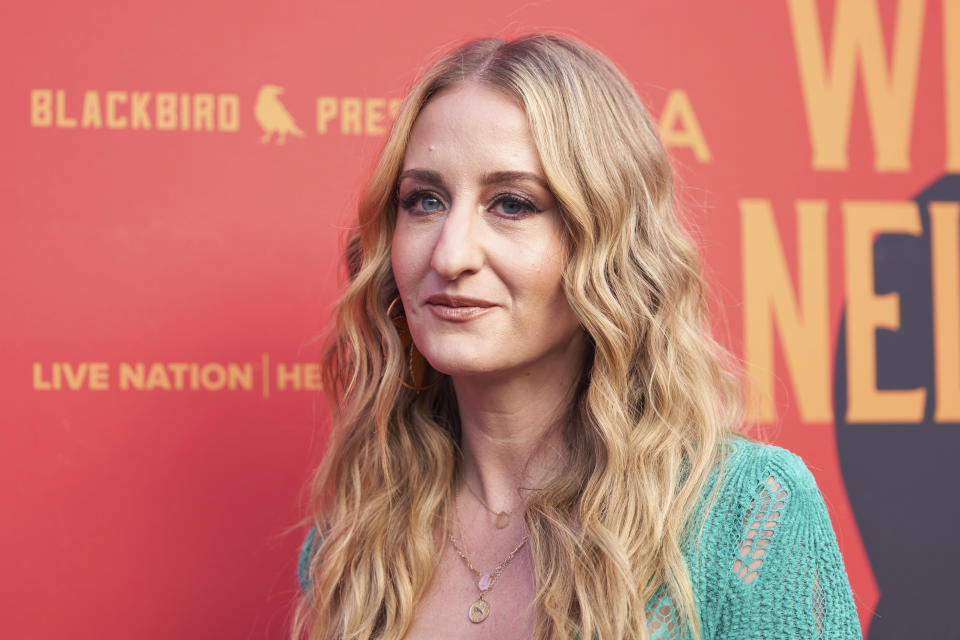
479	611
503	520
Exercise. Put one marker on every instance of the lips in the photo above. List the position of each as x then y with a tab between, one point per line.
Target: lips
446	300
457	308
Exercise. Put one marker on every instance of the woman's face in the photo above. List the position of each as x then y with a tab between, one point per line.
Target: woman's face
477	249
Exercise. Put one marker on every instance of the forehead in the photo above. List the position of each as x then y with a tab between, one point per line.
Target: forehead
472	126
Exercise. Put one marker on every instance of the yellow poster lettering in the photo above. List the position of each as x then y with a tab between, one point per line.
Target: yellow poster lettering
166	117
179	371
357	116
213	377
99	376
679	126
84	376
74	377
157	378
350	122
299	377
92	118
39	384
63	121
137	110
828	88
185	112
867	312
289	376
115	121
951	78
202	112
41	108
186	376
240	376
374	116
132	376
228	112
326	110
945	255
772	307
139	119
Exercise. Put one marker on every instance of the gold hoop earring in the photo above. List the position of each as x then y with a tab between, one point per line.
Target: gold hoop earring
417	363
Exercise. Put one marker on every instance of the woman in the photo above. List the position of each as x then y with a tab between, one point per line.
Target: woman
534	434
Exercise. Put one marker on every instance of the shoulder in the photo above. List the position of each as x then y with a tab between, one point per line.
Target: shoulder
751	469
767	559
761	508
760	502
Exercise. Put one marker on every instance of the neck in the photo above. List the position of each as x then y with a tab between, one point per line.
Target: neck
512	427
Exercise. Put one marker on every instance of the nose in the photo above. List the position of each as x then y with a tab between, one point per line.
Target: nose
458	250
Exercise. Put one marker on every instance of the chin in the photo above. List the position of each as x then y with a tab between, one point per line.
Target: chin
457	367
457	360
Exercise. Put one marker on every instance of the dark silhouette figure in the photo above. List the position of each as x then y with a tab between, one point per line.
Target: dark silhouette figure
902	478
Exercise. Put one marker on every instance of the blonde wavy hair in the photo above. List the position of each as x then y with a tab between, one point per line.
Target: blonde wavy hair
654	404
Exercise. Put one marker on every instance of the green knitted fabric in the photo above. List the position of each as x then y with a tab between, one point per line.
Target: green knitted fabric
766	563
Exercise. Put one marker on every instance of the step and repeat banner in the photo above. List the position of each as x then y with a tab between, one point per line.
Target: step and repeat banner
175	180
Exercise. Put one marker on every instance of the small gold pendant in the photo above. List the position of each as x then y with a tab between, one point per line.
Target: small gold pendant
503	520
479	611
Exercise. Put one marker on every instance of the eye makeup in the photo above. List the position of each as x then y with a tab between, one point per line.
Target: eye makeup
513	205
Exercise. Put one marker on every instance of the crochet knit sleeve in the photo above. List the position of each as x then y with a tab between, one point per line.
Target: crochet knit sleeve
786	578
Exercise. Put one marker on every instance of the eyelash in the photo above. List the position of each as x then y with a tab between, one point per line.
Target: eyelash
529	209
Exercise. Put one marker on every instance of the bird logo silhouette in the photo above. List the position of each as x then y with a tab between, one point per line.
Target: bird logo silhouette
273	117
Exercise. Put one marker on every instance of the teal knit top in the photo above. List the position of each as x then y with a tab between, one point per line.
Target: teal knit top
766	563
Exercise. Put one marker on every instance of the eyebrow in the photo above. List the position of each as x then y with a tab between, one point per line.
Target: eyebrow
495	177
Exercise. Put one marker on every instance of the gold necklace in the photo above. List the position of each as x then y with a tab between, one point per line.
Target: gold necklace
480	609
503	517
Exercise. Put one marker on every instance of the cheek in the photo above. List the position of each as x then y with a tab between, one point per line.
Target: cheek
540	279
561	317
547	271
403	258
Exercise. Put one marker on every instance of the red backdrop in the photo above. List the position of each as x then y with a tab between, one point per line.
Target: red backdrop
168	256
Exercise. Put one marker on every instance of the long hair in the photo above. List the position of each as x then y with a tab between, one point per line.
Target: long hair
654	404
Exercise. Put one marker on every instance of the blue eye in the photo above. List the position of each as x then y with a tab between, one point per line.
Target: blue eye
516	207
427	201
511	206
430	199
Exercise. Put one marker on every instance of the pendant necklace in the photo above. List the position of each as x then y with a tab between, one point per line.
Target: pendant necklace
503	517
480	609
